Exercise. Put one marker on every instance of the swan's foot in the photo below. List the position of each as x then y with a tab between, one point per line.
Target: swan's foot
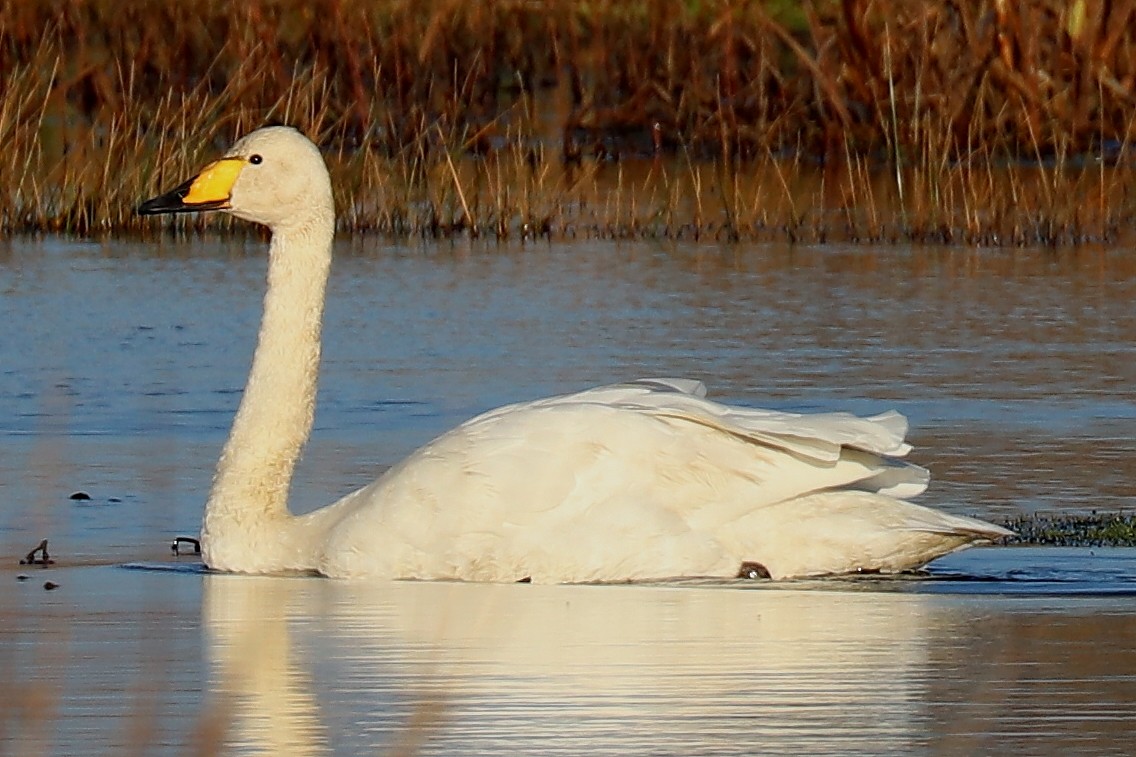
175	546
753	570
43	559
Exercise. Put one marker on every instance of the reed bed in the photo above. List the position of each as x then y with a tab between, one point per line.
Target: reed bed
864	120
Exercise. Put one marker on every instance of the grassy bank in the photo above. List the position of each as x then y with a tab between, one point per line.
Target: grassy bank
890	120
1075	530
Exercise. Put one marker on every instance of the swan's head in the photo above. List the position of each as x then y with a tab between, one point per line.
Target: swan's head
274	176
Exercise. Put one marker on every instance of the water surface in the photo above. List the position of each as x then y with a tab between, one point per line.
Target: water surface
122	363
251	665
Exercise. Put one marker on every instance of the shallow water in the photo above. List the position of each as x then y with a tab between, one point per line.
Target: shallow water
122	364
176	657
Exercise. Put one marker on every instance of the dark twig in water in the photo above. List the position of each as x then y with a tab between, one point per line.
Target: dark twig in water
175	546
43	559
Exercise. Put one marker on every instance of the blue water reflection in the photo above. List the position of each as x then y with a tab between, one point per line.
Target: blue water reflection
122	364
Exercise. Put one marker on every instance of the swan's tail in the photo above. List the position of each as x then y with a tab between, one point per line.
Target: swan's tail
835	532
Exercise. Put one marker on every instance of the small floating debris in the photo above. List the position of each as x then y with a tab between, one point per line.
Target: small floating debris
43	559
50	585
175	546
84	498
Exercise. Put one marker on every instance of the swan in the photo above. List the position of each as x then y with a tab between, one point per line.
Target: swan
646	480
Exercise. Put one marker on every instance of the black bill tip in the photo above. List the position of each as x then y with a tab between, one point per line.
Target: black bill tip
174	202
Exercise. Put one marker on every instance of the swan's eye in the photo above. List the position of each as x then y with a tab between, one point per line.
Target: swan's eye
256	160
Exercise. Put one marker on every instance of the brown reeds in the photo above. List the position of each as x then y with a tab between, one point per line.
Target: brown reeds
862	120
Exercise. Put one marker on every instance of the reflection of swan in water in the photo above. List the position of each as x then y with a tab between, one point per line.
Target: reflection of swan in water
566	669
261	688
637	481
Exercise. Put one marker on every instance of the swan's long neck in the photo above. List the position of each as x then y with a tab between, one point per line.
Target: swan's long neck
246	526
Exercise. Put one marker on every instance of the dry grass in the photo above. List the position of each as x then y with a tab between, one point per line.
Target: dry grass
891	120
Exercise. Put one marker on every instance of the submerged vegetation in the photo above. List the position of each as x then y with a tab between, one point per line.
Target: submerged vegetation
863	120
1075	530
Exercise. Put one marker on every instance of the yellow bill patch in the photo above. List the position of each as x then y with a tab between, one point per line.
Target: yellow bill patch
215	182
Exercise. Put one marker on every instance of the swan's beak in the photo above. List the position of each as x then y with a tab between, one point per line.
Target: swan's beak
209	190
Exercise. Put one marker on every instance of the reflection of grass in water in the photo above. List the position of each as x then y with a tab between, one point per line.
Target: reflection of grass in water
1091	530
878	122
113	679
108	679
102	673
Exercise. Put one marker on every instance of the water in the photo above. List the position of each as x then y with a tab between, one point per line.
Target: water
122	363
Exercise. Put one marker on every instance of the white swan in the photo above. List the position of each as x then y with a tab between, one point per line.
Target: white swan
638	481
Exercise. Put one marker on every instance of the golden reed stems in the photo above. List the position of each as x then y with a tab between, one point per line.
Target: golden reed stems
866	121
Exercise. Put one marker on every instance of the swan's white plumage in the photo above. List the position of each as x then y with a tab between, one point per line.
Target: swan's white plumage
643	480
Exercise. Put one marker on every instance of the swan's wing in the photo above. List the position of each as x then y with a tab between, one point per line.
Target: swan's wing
819	436
636	479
